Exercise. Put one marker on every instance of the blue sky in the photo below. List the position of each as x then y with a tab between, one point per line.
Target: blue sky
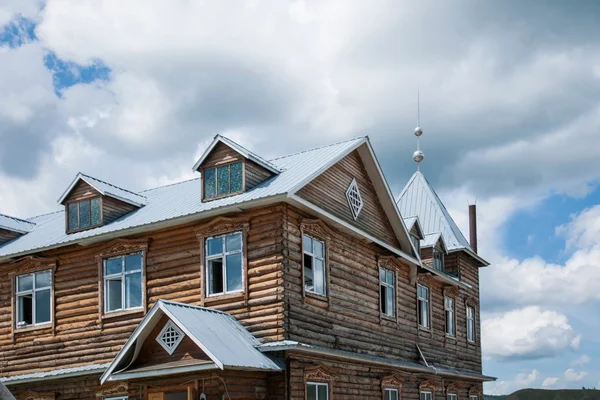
509	107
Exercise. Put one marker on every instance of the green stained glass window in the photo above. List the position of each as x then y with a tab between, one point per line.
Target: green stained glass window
84	214
210	183
223	180
237	178
96	211
73	210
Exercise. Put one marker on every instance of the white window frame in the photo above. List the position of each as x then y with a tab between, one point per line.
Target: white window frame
438	259
322	259
470	324
317	384
160	341
391	287
425	392
122	276
390	390
223	256
116	398
416	243
32	292
473	397
452	396
427	306
450	315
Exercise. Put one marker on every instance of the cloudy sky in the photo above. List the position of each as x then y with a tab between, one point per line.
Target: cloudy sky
510	107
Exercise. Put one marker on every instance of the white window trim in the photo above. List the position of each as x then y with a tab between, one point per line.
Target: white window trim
385	390
473	397
168	349
122	276
33	301
354	198
426	301
391	287
472	319
452	396
116	398
317	384
430	393
322	259
453	315
223	256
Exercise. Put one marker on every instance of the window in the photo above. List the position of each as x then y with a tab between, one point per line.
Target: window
390	394
33	299
224	264
438	259
449	311
123	282
426	396
354	198
317	391
423	304
314	266
116	398
84	214
470	324
473	397
169	337
451	396
224	180
387	292
416	243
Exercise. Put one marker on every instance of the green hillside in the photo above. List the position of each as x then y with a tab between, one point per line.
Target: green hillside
540	394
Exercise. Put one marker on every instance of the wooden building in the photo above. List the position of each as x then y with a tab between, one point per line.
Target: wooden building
295	278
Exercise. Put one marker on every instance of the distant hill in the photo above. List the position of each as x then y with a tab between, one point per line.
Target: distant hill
492	397
540	394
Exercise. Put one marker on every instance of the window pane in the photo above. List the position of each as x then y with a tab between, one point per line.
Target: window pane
73	216
236	177
234	272
382	293
311	392
43	279
133	290
214	246
25	307
319	276
390	301
390	278
381	275
133	262
318	248
96	211
223	180
210	183
234	242
113	266
113	291
215	276
394	395
322	391
84	214
24	283
308	273
307	243
42	306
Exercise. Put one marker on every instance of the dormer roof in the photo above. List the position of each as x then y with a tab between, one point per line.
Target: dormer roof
105	189
413	223
432	240
240	149
16	225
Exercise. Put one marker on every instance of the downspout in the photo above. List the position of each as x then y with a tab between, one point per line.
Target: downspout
425	361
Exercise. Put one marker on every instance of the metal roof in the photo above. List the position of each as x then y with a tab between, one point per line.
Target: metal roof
410	223
180	200
224	340
55	374
15	224
106	189
432	239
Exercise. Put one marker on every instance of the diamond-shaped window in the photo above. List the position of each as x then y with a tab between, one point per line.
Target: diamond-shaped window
355	201
169	337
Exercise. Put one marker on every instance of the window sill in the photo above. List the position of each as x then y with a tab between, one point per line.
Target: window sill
120	313
388	317
471	343
450	337
424	329
30	328
316	296
217	298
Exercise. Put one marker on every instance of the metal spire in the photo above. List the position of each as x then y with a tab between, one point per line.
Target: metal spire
418	155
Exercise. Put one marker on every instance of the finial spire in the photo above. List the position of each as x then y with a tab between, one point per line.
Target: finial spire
418	155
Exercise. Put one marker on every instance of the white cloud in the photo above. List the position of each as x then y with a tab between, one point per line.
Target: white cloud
582	360
26	8
521	380
574	376
527	333
550	382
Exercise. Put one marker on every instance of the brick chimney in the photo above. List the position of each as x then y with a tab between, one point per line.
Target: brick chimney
473	226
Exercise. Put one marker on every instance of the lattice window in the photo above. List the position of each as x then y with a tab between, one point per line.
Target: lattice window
355	200
170	337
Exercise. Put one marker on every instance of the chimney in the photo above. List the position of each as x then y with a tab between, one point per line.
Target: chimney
473	226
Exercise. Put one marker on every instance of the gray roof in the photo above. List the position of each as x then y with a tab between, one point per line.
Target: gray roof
55	374
180	200
15	224
219	335
106	189
431	240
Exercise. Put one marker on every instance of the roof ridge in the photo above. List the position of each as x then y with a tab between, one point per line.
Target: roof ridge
317	148
17	219
110	184
249	151
177	303
169	184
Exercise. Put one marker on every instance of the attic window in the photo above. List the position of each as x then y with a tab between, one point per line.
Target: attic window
222	181
84	214
354	199
170	337
438	259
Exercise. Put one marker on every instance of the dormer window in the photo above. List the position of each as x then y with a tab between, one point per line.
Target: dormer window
223	181
438	259
416	243
84	214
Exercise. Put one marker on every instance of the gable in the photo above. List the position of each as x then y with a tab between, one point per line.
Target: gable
328	191
81	190
221	154
7	236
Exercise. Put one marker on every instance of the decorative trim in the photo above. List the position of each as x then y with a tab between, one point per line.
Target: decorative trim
451	291
32	264
32	395
319	373
453	388
428	385
316	227
392	382
475	390
222	225
118	247
170	348
388	262
425	279
113	390
354	198
471	302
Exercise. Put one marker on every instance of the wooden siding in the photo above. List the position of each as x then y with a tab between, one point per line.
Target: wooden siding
172	273
221	154
7	236
113	209
328	191
82	190
349	319
255	174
